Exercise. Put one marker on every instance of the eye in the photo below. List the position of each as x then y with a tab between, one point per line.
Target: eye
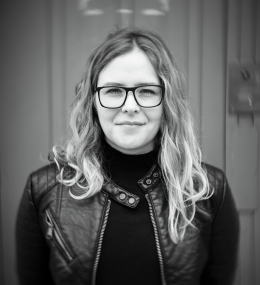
146	91
112	91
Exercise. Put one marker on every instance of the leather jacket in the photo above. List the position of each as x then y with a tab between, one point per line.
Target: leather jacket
59	238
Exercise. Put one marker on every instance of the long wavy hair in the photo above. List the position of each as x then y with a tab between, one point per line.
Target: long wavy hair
179	154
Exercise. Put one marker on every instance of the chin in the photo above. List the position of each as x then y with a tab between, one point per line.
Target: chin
135	148
129	146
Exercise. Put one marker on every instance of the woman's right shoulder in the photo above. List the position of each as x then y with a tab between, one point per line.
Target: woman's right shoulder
45	177
41	181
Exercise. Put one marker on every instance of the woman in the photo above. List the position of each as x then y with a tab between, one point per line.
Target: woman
128	201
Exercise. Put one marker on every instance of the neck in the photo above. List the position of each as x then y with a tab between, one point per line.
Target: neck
118	164
136	151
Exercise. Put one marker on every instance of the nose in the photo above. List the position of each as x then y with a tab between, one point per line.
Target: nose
130	105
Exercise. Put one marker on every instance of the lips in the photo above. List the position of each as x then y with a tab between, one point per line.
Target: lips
129	123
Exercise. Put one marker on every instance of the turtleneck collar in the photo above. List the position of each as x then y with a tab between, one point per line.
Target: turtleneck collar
119	165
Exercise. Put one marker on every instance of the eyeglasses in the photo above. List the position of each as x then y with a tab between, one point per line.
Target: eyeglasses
146	96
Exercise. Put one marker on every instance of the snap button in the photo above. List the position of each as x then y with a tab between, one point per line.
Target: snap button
122	196
148	181
131	200
155	174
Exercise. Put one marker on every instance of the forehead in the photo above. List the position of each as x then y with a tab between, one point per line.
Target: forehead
128	69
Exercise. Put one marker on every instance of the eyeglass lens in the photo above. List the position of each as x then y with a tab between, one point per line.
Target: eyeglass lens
146	96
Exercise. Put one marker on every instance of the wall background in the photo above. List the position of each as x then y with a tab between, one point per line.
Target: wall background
44	47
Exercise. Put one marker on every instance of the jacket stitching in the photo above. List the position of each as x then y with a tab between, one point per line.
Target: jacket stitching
101	223
223	194
148	174
29	187
159	232
59	199
122	190
61	233
155	218
103	218
35	188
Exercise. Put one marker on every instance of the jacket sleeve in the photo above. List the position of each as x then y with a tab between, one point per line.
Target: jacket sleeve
223	251
31	248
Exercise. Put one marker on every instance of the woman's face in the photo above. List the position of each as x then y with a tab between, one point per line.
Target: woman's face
130	129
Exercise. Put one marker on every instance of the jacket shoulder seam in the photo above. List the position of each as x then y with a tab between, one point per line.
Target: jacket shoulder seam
49	185
219	187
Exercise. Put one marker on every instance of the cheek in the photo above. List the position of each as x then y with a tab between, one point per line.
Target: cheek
156	117
158	123
105	117
99	110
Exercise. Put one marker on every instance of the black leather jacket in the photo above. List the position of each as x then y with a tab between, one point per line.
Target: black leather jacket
59	238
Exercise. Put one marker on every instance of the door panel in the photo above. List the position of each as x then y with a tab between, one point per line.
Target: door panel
25	113
242	139
42	67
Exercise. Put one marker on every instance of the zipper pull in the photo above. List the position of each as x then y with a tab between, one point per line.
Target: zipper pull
49	232
50	226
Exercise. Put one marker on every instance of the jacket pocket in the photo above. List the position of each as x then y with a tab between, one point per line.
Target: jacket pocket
53	233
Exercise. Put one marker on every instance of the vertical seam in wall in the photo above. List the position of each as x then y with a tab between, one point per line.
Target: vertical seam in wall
48	19
201	70
134	15
187	45
2	271
226	13
198	117
257	209
240	23
254	242
188	53
257	48
255	7
64	69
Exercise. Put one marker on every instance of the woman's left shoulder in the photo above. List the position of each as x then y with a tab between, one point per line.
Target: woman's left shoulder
222	194
216	176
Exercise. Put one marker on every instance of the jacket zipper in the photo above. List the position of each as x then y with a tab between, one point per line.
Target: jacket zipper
53	233
157	241
100	244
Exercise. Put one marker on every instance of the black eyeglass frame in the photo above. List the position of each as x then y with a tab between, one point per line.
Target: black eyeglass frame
127	89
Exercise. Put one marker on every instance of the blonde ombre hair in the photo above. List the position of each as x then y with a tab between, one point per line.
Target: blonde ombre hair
179	154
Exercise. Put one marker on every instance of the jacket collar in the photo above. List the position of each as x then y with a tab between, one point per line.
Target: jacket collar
150	179
128	199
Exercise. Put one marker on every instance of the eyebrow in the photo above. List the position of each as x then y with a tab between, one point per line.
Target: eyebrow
122	85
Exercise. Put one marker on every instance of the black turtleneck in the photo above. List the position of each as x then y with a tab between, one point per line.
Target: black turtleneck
128	254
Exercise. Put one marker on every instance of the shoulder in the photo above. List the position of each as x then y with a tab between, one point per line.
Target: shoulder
218	185
215	175
41	181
